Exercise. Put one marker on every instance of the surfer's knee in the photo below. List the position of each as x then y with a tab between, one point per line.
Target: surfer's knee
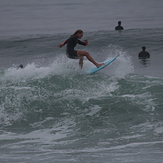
87	54
81	57
83	53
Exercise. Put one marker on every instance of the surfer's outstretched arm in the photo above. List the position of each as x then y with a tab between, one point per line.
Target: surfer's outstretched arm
60	45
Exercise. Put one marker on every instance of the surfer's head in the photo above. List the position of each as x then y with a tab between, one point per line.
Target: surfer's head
79	33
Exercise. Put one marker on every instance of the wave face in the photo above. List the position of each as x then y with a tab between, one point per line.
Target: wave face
52	109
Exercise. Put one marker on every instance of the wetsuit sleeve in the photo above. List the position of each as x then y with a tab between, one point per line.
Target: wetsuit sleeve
82	43
65	42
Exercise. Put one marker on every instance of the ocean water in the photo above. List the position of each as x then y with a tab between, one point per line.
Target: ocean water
51	111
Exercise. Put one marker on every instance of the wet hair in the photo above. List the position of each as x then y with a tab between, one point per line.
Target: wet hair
78	31
119	22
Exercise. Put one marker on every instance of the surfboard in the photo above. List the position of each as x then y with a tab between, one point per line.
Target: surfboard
106	63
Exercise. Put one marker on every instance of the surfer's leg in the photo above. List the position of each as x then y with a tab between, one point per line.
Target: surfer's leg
84	53
81	58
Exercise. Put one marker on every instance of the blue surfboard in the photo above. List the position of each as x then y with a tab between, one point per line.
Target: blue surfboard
95	69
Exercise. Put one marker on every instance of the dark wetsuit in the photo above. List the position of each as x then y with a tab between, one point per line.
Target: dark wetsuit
118	28
71	43
143	55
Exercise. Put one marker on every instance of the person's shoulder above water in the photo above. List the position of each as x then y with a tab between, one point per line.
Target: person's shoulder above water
119	27
143	54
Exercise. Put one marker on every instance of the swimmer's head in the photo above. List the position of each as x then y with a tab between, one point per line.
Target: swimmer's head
143	47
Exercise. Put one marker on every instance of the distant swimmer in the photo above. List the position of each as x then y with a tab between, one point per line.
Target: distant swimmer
143	54
119	27
21	66
71	42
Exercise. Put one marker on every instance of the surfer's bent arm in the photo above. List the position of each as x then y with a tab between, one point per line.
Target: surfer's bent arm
85	43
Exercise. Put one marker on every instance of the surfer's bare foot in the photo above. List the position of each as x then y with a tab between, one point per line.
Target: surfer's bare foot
100	64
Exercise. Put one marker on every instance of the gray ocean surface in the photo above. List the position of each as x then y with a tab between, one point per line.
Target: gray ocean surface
51	111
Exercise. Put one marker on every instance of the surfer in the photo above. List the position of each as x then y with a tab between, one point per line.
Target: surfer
71	42
119	27
143	54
